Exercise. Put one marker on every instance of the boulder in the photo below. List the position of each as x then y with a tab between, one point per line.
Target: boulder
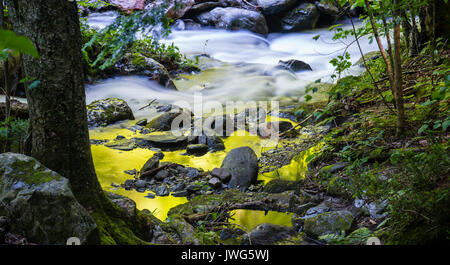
233	18
303	17
242	162
164	141
329	14
272	7
40	203
108	111
328	223
174	8
125	203
215	183
273	129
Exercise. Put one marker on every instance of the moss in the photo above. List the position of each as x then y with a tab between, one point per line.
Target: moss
27	172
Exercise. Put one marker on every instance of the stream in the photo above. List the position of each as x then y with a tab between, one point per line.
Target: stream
240	66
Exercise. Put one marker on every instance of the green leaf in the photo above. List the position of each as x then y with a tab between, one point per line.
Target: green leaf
445	125
422	129
19	44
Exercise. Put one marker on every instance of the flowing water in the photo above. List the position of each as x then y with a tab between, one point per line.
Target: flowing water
239	66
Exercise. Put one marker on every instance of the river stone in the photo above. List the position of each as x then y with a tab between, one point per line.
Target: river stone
122	145
303	17
161	175
268	234
174	8
164	121
242	162
222	173
164	141
162	191
329	14
272	7
233	18
197	149
128	6
295	65
152	163
108	111
328	223
215	183
40	203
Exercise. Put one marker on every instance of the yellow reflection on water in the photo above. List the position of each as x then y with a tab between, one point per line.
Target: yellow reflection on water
110	164
296	170
252	218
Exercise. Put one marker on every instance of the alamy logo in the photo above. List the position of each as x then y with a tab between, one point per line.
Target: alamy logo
73	241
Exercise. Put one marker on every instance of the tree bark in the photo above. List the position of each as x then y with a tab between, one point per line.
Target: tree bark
442	19
60	137
398	71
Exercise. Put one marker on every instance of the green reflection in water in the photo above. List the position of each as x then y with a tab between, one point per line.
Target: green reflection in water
252	218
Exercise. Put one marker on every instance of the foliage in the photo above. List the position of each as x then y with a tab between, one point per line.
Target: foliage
16	43
110	44
17	132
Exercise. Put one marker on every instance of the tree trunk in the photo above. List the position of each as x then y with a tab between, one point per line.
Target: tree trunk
442	19
398	72
57	107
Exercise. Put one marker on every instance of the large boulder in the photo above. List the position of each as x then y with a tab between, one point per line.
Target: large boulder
272	7
242	162
233	18
164	121
174	8
303	17
40	203
294	65
328	223
108	111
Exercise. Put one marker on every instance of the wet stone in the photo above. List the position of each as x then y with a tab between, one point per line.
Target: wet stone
162	175
162	191
221	173
215	183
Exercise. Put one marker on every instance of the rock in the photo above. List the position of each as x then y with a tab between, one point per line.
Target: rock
40	203
223	174
303	17
142	122
215	183
273	129
242	162
140	184
161	175
331	169
164	121
197	149
181	193
215	143
280	185
185	232
376	209
328	223
162	191
192	173
272	7
150	196
233	18
178	187
137	64
126	204
128	6
268	234
373	55
228	233
152	163
122	145
174	8
319	209
295	65
329	14
108	111
165	141
131	172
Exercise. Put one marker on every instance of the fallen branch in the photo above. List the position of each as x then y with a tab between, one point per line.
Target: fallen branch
148	105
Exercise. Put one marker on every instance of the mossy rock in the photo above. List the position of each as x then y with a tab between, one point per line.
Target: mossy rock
108	111
40	203
328	223
280	185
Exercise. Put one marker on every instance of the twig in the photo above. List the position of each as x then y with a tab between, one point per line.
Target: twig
148	105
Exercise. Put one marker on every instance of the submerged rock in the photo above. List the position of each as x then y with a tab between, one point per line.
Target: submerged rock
40	203
233	18
197	149
295	65
165	141
242	162
108	111
164	121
